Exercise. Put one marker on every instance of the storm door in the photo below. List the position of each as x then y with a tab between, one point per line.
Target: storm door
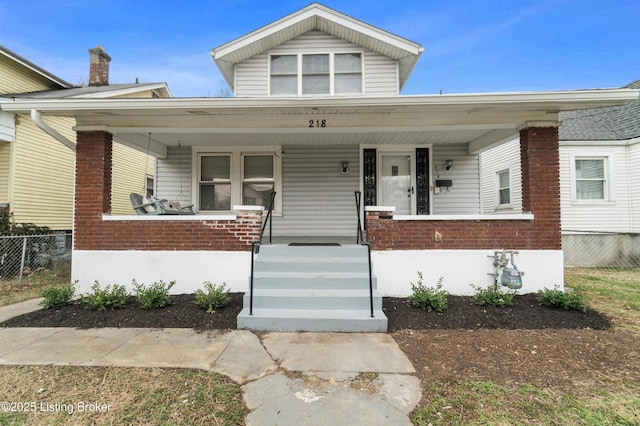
396	184
397	178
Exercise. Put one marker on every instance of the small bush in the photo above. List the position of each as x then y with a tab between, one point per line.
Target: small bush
57	296
493	296
216	296
556	298
155	296
429	298
109	297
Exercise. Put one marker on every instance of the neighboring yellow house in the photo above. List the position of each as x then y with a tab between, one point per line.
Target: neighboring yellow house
36	169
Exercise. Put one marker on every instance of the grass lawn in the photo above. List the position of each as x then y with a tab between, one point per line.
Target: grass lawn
606	401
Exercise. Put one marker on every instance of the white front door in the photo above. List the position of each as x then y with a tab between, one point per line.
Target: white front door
396	186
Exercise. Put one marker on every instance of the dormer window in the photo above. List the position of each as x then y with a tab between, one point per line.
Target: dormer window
316	74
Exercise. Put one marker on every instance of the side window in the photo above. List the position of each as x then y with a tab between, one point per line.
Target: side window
148	185
590	179
504	187
215	182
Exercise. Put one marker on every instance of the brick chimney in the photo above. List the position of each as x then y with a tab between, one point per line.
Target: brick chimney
98	67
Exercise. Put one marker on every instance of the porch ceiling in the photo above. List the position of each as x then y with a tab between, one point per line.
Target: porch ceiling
481	120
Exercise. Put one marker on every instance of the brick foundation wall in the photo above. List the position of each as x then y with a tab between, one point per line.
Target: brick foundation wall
93	198
541	196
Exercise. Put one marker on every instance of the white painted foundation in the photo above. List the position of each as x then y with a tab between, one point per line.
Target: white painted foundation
396	270
190	269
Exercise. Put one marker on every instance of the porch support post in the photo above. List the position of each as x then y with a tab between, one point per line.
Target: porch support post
541	182
92	185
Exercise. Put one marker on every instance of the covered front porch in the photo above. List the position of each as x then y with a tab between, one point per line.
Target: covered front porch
415	160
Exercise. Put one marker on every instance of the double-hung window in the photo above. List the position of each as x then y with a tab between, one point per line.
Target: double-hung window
234	178
215	182
258	179
316	74
504	188
590	179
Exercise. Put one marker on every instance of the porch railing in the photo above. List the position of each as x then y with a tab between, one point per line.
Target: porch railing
361	239
255	246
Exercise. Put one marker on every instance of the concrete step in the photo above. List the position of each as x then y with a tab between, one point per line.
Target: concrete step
313	299
313	320
314	252
313	280
304	264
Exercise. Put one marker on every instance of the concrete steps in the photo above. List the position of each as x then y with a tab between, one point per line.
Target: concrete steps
312	288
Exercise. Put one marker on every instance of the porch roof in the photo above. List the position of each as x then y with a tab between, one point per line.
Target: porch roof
482	120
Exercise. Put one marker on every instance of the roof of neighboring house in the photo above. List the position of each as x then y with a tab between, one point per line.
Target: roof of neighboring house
88	92
33	67
317	17
609	123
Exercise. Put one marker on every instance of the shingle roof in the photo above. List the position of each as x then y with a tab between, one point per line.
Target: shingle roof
609	123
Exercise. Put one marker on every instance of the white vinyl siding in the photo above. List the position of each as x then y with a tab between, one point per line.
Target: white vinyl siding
173	176
500	158
318	199
380	73
463	197
609	215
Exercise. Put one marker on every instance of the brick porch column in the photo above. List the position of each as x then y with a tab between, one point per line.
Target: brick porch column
93	185
540	161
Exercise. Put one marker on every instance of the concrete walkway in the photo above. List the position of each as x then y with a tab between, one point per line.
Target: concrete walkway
286	378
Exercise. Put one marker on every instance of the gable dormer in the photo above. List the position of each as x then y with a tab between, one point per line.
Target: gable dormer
317	52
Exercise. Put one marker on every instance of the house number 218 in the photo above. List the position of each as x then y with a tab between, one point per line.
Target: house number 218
317	123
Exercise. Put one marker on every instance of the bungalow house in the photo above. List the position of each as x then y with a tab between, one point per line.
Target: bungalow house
36	169
317	116
599	152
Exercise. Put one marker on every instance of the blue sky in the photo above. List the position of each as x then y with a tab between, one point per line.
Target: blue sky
470	45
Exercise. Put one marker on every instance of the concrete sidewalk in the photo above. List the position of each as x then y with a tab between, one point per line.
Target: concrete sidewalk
328	387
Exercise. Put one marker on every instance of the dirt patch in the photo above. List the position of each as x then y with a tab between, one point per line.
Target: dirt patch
523	343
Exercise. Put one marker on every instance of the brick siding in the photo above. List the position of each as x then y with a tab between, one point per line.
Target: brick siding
93	198
541	196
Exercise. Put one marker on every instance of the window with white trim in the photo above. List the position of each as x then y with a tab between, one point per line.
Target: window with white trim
149	185
316	74
503	179
590	179
258	179
234	178
215	182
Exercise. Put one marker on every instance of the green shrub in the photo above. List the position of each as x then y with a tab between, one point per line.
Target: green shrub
154	296
56	296
216	296
109	297
556	298
429	298
493	296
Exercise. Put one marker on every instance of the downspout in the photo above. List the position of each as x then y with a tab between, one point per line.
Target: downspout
36	117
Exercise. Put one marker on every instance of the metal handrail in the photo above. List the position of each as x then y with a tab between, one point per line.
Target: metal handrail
255	246
361	239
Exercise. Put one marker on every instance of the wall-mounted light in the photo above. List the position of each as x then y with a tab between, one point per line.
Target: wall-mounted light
345	167
448	164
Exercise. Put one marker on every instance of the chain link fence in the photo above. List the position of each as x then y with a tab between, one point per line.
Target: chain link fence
35	259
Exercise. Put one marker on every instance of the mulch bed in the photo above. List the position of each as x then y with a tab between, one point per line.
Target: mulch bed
462	314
